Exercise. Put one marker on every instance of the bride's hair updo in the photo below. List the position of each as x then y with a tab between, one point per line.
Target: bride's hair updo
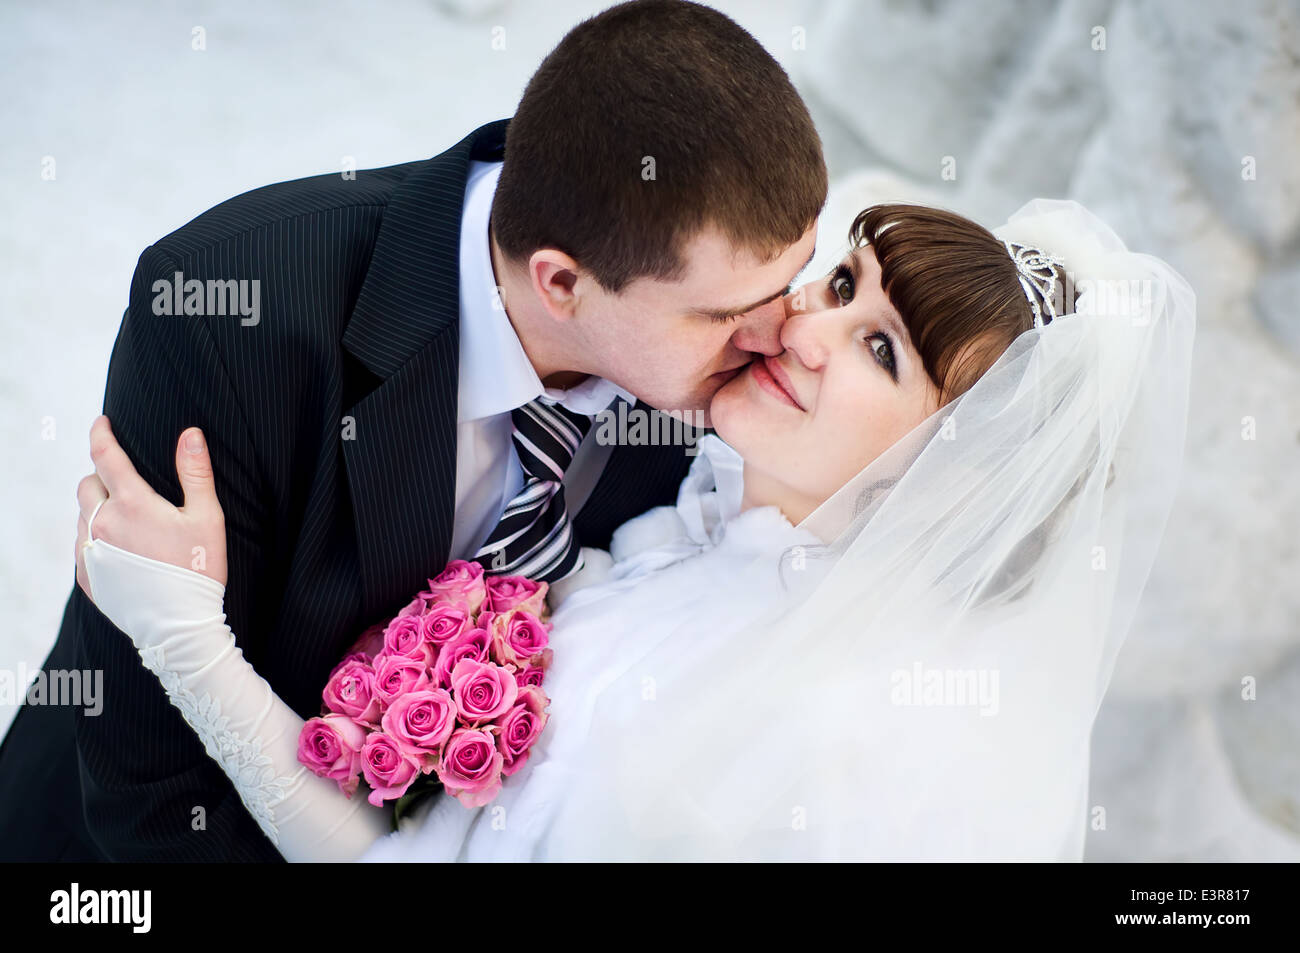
955	286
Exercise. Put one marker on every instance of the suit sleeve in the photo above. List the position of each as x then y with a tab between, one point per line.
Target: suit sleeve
149	791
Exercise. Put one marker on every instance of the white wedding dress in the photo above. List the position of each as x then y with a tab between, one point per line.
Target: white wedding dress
912	673
698	571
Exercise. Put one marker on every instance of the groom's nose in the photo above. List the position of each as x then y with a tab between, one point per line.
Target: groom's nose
759	330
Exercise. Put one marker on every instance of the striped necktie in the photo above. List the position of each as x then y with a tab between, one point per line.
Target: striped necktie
535	537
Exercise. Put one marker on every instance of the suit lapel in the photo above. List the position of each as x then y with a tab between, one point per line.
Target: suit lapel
401	457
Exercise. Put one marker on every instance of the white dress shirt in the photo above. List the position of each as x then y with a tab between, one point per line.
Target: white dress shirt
495	378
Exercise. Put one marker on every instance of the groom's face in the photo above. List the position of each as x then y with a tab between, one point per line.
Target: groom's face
675	343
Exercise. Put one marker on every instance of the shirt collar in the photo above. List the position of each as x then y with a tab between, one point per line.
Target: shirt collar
713	491
495	373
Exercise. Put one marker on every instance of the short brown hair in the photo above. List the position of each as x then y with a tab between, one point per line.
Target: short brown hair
955	286
672	83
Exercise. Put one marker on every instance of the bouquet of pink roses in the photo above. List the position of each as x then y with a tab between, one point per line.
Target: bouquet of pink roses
447	693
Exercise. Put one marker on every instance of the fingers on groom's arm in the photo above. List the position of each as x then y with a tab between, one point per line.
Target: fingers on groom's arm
91	492
117	505
113	467
194	470
114	487
101	496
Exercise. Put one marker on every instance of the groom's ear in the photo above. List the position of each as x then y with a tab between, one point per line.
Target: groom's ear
555	280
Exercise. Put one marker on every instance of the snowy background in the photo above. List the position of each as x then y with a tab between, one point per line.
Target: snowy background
1177	122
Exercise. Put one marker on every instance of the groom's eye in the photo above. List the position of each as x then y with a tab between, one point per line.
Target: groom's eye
841	284
723	318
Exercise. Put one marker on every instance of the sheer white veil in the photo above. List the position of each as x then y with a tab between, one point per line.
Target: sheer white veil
929	690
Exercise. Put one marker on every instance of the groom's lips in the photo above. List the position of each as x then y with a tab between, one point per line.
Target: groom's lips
730	372
771	377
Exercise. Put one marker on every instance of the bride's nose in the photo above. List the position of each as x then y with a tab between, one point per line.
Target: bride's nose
804	333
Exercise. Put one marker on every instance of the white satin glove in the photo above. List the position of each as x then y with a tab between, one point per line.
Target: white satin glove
175	618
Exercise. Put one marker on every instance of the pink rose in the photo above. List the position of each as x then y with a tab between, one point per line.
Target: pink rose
395	675
371	641
516	592
351	691
470	768
460	583
530	675
473	645
445	623
350	657
518	638
482	691
387	770
405	637
331	747
520	727
420	723
415	607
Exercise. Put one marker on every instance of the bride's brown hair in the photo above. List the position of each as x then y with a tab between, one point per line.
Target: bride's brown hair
955	286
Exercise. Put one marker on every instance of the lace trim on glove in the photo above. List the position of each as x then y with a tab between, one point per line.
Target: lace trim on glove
251	771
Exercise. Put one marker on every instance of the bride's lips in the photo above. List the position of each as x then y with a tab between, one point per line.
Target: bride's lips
771	377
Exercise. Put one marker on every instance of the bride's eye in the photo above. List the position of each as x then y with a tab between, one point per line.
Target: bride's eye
841	284
883	349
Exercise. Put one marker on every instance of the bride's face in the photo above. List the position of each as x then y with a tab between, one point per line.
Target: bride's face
847	387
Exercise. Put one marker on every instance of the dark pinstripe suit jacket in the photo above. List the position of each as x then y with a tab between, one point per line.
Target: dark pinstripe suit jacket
359	313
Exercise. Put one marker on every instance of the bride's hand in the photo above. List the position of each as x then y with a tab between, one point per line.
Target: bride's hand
122	509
